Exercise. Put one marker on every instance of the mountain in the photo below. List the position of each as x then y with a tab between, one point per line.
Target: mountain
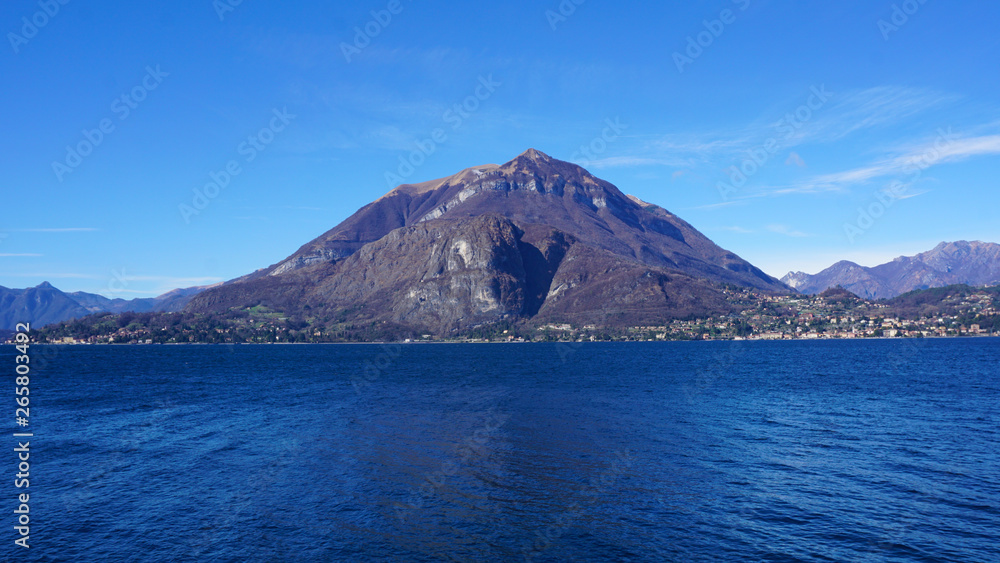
535	238
172	301
44	304
40	305
949	263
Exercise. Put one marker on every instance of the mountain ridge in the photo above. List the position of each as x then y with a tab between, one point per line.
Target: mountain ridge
45	304
973	263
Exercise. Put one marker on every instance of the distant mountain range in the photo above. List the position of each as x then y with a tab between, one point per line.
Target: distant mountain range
44	304
534	239
970	263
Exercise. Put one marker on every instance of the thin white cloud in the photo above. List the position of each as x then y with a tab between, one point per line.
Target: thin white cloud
724	204
706	143
841	115
787	231
389	137
941	151
625	161
914	194
55	276
852	111
111	294
175	282
64	230
24	255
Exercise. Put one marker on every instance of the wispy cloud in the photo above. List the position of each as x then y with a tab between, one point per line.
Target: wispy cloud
20	255
112	294
706	143
736	229
904	194
940	151
722	205
625	161
175	282
62	230
55	276
389	137
846	113
853	111
787	231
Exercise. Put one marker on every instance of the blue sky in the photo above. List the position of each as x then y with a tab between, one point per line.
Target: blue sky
768	126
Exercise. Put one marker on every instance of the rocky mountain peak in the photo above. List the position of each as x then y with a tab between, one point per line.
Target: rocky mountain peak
551	172
535	155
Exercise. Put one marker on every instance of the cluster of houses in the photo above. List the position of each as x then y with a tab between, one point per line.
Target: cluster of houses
787	317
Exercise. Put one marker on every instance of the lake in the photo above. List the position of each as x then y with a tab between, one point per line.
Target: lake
875	450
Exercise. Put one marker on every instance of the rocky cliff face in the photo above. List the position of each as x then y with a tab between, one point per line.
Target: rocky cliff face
962	262
439	274
534	238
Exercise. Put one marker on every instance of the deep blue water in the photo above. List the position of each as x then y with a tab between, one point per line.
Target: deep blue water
714	451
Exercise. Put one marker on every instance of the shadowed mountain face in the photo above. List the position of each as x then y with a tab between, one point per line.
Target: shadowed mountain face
40	305
535	237
950	263
44	304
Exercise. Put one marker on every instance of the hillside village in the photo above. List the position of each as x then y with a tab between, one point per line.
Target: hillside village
834	314
812	317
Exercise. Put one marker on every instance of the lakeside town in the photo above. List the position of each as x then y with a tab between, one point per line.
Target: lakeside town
832	315
955	311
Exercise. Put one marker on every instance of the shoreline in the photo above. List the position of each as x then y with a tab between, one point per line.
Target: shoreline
391	342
